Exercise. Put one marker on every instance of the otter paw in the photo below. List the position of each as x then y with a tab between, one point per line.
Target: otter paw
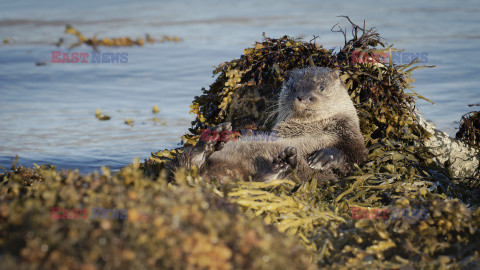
215	138
286	160
325	159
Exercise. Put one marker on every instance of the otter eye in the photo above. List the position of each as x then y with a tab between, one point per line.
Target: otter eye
321	88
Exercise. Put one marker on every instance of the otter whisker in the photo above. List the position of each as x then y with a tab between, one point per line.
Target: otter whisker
271	112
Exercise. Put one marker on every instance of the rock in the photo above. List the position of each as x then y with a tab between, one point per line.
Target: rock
459	159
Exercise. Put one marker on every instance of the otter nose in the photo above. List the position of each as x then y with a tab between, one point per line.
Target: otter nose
305	98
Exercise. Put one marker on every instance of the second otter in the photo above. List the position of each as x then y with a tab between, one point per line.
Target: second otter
318	129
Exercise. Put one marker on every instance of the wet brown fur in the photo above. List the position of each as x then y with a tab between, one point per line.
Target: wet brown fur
314	113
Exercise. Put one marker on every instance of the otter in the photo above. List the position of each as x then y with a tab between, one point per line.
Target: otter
318	132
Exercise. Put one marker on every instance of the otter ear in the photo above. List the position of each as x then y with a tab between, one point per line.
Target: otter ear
334	75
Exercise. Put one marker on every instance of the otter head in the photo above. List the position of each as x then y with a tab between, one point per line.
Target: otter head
312	94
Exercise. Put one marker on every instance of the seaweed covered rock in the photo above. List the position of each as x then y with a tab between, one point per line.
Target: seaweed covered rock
404	168
459	157
446	235
166	227
246	90
194	224
246	93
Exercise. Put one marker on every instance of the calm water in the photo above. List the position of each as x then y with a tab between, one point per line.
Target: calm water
47	112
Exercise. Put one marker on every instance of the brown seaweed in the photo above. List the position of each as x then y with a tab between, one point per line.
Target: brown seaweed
115	41
469	130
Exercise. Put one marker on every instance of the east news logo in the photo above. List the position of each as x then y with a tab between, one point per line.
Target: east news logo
246	135
97	213
359	57
96	57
